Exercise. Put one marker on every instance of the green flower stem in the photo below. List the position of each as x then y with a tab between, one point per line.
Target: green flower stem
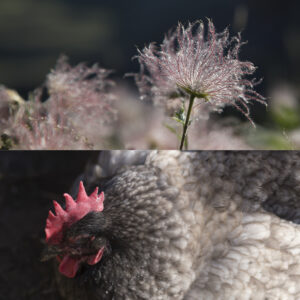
186	142
187	121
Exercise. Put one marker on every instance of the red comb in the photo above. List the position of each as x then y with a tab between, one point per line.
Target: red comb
74	212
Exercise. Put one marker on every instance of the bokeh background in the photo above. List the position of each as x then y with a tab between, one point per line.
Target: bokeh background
34	33
29	181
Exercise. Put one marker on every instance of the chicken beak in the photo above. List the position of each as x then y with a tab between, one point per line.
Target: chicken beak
49	252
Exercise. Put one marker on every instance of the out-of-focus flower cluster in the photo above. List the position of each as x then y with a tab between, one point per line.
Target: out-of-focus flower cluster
187	63
77	107
77	113
81	91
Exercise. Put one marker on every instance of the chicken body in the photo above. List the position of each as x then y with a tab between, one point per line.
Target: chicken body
194	225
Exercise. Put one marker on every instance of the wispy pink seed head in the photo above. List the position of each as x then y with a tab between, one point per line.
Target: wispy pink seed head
190	62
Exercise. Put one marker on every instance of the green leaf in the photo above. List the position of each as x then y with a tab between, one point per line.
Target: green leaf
286	117
173	130
6	142
180	116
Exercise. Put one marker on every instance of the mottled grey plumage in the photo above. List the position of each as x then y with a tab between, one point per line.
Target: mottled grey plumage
193	225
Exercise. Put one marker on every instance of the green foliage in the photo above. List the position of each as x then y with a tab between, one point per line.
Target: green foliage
286	117
6	142
180	115
268	139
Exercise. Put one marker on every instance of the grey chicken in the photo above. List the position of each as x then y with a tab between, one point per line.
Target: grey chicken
184	225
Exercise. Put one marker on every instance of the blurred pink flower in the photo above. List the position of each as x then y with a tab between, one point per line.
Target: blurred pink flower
35	129
76	114
81	93
46	134
187	63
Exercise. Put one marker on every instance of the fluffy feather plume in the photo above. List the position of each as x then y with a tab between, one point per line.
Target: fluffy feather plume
75	210
188	63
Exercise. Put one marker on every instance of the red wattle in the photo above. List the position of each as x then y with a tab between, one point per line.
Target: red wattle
69	266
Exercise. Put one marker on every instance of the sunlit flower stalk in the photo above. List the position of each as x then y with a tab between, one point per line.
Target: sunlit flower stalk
186	123
189	65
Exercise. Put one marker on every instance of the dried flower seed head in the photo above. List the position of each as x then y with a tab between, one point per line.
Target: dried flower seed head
78	111
188	63
81	92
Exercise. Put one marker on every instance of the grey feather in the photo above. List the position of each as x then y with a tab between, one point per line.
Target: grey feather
195	225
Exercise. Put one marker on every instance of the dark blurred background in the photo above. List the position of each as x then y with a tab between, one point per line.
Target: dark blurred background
34	33
29	181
